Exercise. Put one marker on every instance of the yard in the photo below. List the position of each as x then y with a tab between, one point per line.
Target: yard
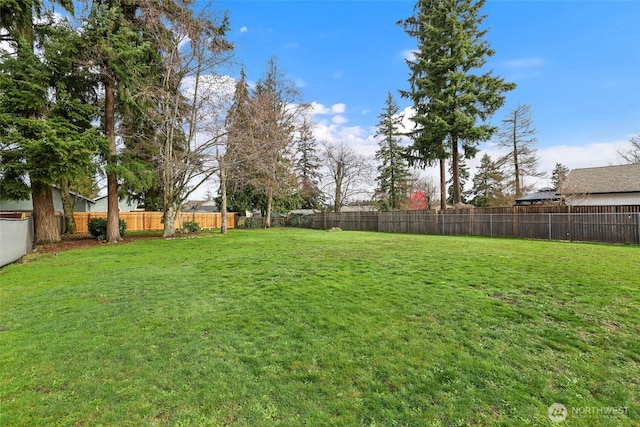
302	327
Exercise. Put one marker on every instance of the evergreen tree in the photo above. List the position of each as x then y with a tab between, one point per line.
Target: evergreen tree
234	190
307	167
262	138
487	184
393	171
451	102
464	177
558	176
120	56
518	136
45	125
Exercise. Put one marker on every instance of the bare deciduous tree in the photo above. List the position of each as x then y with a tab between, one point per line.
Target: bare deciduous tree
631	155
349	173
518	135
262	137
186	117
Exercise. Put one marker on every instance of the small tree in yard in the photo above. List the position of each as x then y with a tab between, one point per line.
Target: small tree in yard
487	184
349	174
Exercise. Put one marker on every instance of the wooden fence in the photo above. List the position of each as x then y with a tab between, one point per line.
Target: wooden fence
609	224
147	221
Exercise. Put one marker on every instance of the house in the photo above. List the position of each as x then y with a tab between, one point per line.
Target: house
81	203
200	206
544	196
124	205
607	185
366	208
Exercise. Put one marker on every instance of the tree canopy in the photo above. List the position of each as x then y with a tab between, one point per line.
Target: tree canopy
452	95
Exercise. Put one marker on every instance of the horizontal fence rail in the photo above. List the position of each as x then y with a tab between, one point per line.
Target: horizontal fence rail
152	221
607	224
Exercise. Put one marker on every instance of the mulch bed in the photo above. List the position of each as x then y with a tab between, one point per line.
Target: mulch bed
80	241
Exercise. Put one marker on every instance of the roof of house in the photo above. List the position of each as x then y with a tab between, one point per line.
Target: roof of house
200	206
606	179
358	209
303	212
544	194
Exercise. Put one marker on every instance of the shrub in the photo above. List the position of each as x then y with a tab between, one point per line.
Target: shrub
252	222
191	226
98	228
302	221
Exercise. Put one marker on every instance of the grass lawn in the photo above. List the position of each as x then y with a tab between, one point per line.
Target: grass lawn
300	327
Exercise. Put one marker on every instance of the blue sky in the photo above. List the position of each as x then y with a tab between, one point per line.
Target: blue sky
577	63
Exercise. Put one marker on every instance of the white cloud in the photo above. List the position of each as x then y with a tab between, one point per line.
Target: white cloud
339	119
409	54
321	110
525	63
339	108
244	29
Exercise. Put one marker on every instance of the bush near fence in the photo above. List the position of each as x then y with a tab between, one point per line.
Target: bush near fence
608	224
152	221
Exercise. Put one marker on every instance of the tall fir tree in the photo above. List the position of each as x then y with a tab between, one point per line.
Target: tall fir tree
393	170
463	173
451	98
120	57
45	128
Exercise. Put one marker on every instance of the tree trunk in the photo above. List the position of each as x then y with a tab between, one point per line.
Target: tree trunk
338	194
267	221
44	214
516	164
223	201
170	216
113	218
443	184
67	206
455	156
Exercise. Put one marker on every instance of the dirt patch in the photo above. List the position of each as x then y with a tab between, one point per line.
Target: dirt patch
81	241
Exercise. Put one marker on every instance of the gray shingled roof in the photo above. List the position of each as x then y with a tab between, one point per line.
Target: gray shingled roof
542	195
606	179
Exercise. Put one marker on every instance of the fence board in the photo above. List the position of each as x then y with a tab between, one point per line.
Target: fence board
608	224
152	221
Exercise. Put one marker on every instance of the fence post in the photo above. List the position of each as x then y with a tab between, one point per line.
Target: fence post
638	227
549	226
490	225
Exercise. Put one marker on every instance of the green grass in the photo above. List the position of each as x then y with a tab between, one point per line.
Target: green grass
299	327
